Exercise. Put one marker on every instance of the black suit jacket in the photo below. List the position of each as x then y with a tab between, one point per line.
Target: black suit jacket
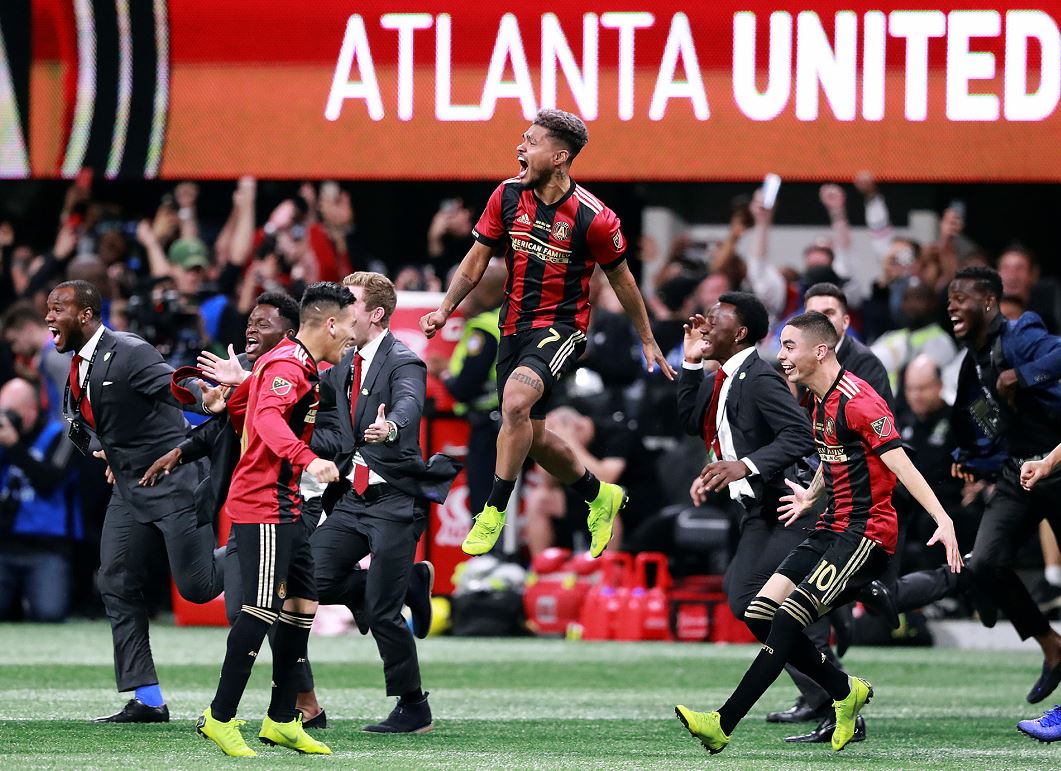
138	420
857	358
768	425
398	379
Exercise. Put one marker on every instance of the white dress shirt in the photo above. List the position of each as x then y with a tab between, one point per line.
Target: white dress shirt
86	352
725	435
368	353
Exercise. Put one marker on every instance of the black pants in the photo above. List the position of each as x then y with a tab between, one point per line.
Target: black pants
762	547
357	527
1012	517
125	546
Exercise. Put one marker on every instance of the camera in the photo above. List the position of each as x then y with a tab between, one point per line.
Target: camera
13	418
162	318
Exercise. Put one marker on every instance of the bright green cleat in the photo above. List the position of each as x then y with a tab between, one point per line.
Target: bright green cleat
224	735
848	709
602	513
484	532
291	735
705	727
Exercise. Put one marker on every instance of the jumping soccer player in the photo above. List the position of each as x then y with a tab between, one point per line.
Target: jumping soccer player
861	455
264	504
556	233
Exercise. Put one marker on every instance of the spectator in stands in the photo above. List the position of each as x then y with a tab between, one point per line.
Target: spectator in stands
450	235
39	513
339	222
27	352
1021	280
920	335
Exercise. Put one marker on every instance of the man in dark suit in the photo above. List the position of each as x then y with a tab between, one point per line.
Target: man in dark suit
369	422
754	430
119	394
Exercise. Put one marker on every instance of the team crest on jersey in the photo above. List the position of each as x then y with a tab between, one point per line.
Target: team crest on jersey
561	230
617	240
830	425
882	426
281	589
280	387
523	219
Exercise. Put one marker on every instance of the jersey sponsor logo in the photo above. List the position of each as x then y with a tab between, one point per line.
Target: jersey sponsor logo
882	426
561	230
542	251
523	219
311	416
830	425
542	224
280	387
832	453
617	240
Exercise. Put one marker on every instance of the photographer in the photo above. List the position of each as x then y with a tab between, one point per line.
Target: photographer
39	512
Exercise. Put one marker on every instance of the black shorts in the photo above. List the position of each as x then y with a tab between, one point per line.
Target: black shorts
552	352
275	562
830	568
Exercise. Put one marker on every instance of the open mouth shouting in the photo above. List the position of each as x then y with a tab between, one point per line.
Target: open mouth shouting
523	166
960	325
254	342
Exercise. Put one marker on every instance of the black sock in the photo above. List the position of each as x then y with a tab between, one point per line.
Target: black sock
587	487
412	697
244	641
786	643
289	660
500	492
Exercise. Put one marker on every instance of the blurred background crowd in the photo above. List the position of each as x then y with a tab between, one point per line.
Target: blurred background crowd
182	266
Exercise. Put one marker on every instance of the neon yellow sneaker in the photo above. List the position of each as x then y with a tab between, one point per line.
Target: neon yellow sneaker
291	735
848	709
705	727
484	532
602	513
224	735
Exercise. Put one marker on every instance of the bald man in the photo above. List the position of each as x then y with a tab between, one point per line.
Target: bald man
37	494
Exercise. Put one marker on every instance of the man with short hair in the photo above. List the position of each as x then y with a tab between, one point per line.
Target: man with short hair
369	422
276	410
1007	412
861	459
118	394
553	232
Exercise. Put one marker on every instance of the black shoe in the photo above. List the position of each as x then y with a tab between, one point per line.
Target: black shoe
878	601
359	618
1045	685
844	623
972	591
405	719
418	597
800	712
1047	597
320	720
137	712
823	733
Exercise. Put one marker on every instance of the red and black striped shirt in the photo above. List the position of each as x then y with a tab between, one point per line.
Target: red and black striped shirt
551	251
280	398
853	426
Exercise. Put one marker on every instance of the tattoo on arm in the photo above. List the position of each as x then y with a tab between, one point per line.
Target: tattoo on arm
530	380
458	290
817	485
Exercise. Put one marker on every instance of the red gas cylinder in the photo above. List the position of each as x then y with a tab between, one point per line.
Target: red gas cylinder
655	612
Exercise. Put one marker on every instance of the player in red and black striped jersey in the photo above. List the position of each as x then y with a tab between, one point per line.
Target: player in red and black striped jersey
553	232
275	411
861	459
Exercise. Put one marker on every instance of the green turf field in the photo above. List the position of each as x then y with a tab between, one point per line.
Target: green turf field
514	704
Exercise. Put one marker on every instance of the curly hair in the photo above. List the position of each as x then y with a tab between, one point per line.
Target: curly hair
566	127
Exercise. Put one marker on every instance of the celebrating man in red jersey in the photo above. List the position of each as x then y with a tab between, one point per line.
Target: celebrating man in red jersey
553	232
861	456
277	407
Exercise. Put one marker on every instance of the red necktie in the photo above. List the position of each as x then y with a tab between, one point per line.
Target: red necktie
360	469
710	421
75	391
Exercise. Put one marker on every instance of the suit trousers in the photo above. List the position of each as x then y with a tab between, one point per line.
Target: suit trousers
124	550
357	527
